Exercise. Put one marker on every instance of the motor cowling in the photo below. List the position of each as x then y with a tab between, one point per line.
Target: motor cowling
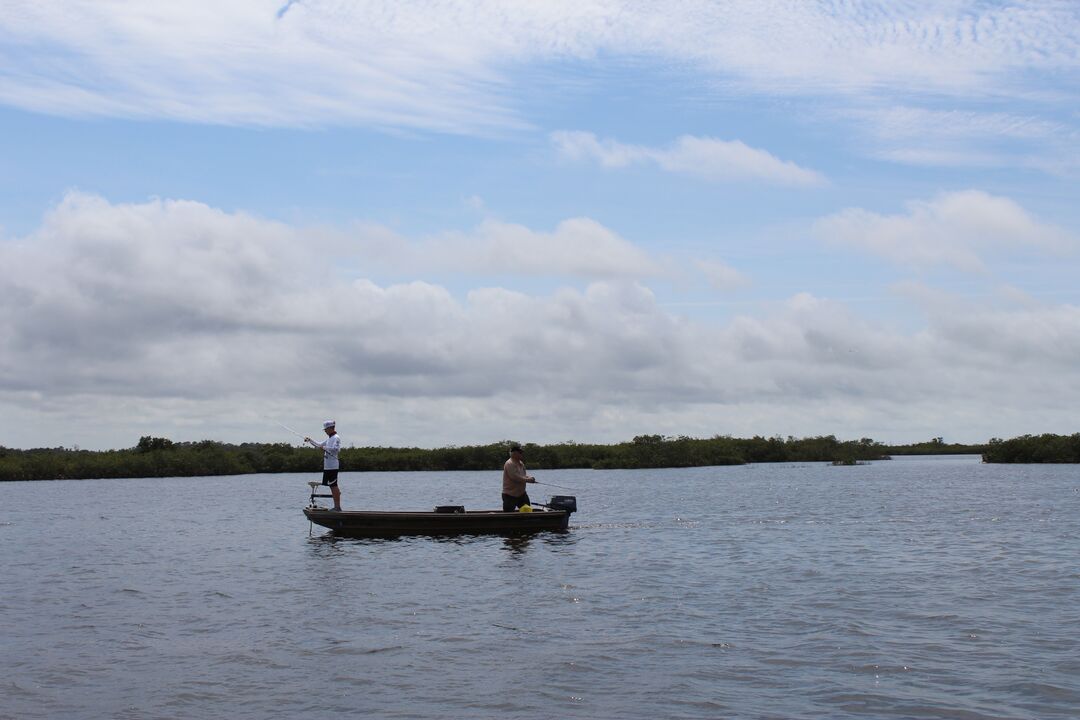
563	502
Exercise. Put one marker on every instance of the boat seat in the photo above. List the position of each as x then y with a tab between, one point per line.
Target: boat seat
314	485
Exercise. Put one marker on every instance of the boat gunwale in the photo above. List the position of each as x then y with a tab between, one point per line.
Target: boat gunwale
395	523
429	513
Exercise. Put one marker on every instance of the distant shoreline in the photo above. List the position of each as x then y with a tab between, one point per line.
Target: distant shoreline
161	457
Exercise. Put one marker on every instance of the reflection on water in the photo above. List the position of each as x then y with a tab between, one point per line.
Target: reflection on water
517	544
330	538
555	540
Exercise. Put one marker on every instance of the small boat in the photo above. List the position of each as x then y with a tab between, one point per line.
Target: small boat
444	520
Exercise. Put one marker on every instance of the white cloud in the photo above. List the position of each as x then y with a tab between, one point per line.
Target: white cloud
173	318
971	137
722	276
583	146
707	158
174	298
954	229
907	123
579	246
450	66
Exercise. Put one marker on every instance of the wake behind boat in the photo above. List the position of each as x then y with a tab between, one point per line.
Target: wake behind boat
443	520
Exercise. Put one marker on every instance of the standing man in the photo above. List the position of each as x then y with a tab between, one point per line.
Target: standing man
514	479
331	446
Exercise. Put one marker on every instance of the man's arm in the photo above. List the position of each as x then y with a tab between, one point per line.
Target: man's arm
517	472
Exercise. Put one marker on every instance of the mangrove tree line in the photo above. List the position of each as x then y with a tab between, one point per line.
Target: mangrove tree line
160	457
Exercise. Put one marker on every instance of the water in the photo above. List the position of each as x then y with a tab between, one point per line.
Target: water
916	588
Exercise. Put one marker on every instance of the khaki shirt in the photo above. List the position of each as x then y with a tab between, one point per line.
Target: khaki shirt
514	478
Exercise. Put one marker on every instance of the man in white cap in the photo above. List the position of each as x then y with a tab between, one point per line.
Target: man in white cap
331	447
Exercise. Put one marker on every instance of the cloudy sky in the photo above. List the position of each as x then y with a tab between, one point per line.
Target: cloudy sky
448	223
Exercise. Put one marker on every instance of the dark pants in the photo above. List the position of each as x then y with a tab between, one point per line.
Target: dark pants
512	503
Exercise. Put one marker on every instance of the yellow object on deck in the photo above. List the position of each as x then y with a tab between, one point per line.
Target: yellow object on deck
525	508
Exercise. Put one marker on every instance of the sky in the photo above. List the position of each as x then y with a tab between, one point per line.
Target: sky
455	223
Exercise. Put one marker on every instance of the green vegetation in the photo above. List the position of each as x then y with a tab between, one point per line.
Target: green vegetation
936	446
160	457
1034	449
155	457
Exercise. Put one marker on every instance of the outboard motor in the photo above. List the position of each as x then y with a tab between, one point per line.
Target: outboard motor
563	502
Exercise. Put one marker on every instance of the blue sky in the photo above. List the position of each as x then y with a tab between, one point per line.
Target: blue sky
456	223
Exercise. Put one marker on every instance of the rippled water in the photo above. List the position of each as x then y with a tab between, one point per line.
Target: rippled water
916	588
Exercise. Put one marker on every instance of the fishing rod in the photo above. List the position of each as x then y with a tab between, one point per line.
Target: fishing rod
561	487
286	427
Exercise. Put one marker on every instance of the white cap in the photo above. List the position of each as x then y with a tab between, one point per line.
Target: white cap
328	424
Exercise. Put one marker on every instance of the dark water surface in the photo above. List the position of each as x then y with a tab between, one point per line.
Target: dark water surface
916	588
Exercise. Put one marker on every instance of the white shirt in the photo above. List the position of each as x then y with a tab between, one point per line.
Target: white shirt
331	447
